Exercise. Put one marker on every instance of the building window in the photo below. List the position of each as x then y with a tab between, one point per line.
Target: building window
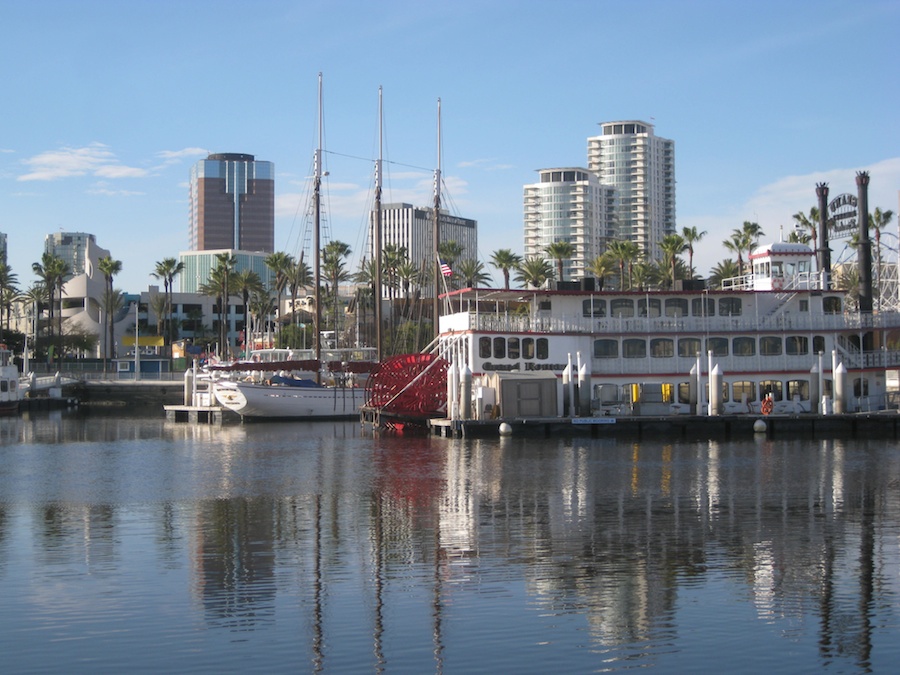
729	306
634	348
484	348
718	346
512	348
770	345
742	389
543	349
652	303
676	307
796	345
831	305
499	348
818	344
662	348
593	307
772	387
528	348
688	347
606	349
798	389
743	346
622	308
703	307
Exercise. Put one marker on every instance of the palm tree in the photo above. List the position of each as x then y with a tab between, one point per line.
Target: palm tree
879	220
109	268
810	223
246	283
8	281
601	267
534	271
280	264
53	272
505	260
691	236
472	273
333	256
560	251
166	271
625	252
219	286
408	273
672	245
726	269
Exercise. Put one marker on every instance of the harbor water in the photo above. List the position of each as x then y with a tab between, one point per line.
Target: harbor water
136	544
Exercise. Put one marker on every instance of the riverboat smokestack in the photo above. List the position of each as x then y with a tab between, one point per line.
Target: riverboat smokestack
823	255
865	245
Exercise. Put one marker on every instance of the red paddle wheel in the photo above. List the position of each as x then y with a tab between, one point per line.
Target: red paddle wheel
409	384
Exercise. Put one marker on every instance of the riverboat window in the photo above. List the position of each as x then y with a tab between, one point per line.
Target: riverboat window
543	349
634	348
668	392
684	392
743	346
676	307
484	348
742	389
798	389
593	307
773	387
724	392
860	387
512	348
528	348
606	393
729	306
717	345
653	304
804	305
499	348
661	348
703	307
631	393
606	349
621	308
688	346
796	345
4	386
818	344
831	305
770	345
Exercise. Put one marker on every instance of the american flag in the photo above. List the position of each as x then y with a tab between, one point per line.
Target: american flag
445	269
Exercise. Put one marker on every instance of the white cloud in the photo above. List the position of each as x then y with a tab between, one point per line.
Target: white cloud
170	157
95	159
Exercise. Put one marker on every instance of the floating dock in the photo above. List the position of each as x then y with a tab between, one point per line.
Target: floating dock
681	427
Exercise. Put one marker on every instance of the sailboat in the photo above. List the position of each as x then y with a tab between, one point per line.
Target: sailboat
273	389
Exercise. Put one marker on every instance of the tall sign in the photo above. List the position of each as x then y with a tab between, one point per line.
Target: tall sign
843	216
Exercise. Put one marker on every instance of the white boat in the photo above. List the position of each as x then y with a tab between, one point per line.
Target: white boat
299	384
10	393
777	341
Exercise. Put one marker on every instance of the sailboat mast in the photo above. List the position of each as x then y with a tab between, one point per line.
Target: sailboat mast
436	229
377	234
317	248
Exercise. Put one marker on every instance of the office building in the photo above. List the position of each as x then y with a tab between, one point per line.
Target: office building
198	266
570	205
410	227
232	202
641	166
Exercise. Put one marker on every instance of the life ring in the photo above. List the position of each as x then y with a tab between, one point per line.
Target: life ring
766	406
777	283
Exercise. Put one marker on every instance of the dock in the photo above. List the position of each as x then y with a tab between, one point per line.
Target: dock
194	413
884	424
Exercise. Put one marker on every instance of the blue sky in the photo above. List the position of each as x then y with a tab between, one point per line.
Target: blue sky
108	103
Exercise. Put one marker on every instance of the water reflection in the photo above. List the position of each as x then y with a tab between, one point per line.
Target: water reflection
421	553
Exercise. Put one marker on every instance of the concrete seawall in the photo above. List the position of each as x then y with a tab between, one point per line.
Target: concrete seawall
136	395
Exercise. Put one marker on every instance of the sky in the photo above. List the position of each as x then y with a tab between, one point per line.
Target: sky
108	104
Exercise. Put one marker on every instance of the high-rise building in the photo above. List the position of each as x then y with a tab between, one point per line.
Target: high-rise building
71	247
641	166
570	205
410	227
232	204
3	249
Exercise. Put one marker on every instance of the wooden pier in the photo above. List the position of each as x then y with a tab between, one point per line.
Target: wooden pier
194	414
